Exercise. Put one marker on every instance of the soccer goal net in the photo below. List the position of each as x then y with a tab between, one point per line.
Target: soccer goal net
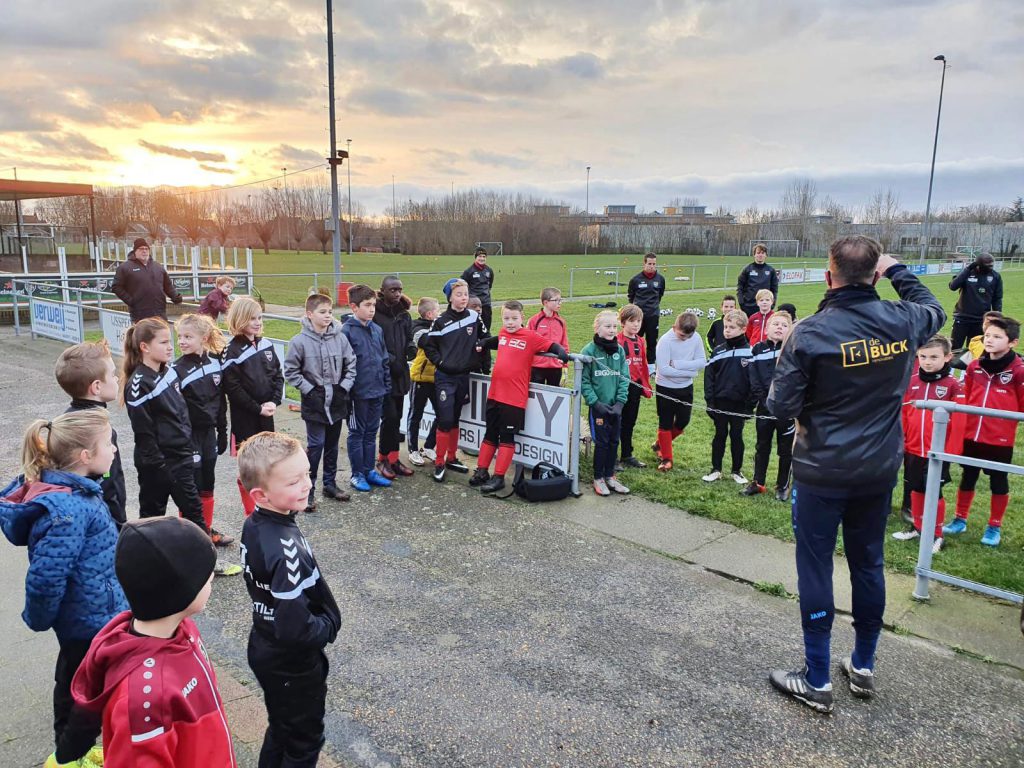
777	249
493	248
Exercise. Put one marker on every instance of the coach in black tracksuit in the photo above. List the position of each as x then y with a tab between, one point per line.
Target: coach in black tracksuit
480	279
645	291
981	291
114	493
755	277
164	453
393	317
842	375
294	617
141	283
763	357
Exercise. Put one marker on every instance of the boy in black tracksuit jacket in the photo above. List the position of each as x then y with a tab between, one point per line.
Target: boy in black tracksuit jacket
294	614
164	454
451	347
763	357
393	317
727	388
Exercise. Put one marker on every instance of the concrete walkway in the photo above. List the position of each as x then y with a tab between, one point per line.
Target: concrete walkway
591	632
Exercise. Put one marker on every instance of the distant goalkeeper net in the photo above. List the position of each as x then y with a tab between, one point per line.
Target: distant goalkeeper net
777	249
493	248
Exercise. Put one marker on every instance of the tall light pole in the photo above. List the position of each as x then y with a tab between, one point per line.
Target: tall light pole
333	160
348	148
586	217
931	176
394	214
285	207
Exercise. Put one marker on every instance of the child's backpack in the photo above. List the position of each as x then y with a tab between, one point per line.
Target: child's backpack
545	483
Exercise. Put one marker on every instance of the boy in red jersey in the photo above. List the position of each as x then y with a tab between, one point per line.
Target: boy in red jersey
757	323
508	392
994	380
549	324
932	381
631	318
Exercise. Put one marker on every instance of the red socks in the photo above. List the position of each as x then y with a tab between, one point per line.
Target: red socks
247	503
506	451
441	448
917	512
206	497
665	443
453	444
964	499
998	509
393	457
676	432
487	451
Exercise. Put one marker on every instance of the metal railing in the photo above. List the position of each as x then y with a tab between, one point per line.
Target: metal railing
937	455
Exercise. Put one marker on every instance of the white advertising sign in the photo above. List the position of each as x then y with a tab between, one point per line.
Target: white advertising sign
545	437
791	276
56	321
114	326
814	275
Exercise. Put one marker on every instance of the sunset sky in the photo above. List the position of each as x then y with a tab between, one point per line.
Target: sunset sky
722	100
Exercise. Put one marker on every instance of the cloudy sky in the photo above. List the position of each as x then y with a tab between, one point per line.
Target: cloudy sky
725	100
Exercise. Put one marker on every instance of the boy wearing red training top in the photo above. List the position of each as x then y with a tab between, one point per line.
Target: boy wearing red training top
994	380
932	381
757	323
508	392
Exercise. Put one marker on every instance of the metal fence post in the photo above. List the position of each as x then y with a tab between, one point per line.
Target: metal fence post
725	278
574	451
933	489
17	311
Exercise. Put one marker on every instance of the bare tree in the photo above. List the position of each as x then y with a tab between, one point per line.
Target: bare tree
263	212
194	214
226	216
883	210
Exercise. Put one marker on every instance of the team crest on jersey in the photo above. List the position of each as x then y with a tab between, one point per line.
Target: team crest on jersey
1006	377
177	387
744	361
269	354
442	396
216	379
469	331
941	391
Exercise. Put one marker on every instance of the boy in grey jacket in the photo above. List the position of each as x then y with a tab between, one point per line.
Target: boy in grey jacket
322	366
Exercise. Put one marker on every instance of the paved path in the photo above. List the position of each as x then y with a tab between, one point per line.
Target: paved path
488	633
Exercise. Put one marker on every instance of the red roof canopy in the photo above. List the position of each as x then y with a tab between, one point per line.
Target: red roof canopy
33	190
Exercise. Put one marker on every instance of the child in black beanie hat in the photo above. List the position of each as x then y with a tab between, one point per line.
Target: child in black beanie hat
147	670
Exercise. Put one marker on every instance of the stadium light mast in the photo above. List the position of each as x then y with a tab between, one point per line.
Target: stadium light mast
394	214
935	148
348	149
334	159
586	217
286	205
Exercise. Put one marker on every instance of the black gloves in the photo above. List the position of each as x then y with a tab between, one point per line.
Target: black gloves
617	409
600	410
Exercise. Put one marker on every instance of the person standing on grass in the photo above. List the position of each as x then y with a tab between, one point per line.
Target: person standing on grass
605	387
981	290
549	324
141	283
645	290
480	279
393	317
754	277
842	375
682	358
631	317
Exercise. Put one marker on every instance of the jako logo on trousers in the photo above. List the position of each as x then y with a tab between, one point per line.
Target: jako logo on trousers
819	615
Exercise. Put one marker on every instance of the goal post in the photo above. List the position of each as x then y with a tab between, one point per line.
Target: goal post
780	249
493	247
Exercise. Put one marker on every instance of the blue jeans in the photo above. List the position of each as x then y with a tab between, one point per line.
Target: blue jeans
817	515
322	440
363	423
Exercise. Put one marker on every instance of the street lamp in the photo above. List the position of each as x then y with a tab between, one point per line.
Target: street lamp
586	217
348	148
285	206
935	147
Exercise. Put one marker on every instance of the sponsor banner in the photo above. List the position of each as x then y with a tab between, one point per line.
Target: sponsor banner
945	269
815	275
56	320
114	326
791	276
546	436
208	281
933	269
918	269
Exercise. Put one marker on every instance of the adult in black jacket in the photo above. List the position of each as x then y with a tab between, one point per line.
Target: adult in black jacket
755	276
645	291
981	291
393	317
842	375
141	283
480	279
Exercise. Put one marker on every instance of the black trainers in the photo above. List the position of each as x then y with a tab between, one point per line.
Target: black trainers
633	462
310	502
493	485
862	681
457	466
438	475
480	476
752	489
795	685
332	492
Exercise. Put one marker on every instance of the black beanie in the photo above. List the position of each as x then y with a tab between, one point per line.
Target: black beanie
140	242
162	564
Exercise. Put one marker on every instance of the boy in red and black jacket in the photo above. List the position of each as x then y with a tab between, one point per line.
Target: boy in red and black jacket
932	381
995	380
631	318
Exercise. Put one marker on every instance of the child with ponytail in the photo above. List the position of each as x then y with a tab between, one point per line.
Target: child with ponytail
253	379
57	512
199	373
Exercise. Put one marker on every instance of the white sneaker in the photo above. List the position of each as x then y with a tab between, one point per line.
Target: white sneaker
711	476
907	535
601	487
615	485
937	546
429	454
417	458
739	479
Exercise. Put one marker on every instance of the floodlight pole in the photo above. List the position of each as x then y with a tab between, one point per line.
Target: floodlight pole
586	217
935	148
394	214
333	160
348	148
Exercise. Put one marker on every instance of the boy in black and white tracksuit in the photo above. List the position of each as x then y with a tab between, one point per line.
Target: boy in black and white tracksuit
763	358
727	388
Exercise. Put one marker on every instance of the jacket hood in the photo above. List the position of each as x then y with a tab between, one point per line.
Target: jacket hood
114	653
404	305
355	322
332	329
19	505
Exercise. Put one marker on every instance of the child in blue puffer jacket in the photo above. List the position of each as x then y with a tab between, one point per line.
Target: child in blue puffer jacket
56	511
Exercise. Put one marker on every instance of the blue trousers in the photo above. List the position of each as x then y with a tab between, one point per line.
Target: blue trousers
322	440
817	515
363	422
606	445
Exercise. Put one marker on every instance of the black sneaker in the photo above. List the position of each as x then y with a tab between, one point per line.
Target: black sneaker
331	492
493	485
752	489
619	467
862	681
633	462
457	466
438	475
480	476
310	503
795	685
